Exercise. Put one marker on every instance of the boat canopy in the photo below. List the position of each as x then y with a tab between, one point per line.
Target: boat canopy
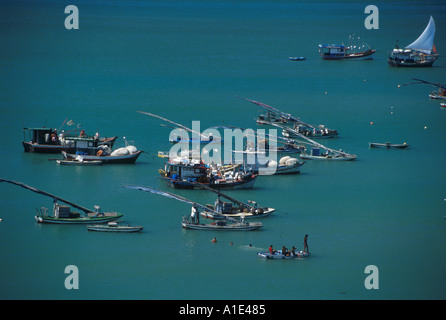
425	41
332	46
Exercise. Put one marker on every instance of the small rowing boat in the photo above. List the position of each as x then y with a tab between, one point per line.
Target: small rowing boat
388	145
296	58
113	227
79	162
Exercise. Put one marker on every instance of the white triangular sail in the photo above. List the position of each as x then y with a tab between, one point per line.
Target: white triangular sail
425	41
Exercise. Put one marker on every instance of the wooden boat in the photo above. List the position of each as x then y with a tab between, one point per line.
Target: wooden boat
221	226
316	154
128	158
194	223
233	208
296	58
62	214
113	227
278	255
286	165
342	52
127	154
263	166
314	132
276	117
79	162
179	172
420	53
47	140
439	94
332	155
388	145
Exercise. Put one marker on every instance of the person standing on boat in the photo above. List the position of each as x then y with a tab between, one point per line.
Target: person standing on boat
270	249
194	215
306	244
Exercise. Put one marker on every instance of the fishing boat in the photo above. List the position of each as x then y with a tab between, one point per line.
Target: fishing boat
110	159
286	165
265	166
104	154
47	140
200	139
270	117
314	132
278	255
420	53
221	225
329	154
275	116
388	145
113	227
180	171
355	51
316	154
194	223
62	214
341	52
439	94
233	208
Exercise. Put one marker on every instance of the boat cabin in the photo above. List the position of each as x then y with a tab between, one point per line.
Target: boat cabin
64	211
47	140
316	152
332	50
41	135
406	55
181	169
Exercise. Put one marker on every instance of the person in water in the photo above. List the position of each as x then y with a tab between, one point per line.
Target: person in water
306	243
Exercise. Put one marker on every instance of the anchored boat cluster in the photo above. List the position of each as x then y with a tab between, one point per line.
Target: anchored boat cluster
185	170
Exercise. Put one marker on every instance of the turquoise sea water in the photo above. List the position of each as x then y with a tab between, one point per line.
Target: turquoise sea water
191	61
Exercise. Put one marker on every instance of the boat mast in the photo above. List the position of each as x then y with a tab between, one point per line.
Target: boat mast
312	142
177	124
219	193
179	198
20	184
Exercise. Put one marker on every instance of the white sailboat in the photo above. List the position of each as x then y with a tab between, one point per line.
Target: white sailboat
420	53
